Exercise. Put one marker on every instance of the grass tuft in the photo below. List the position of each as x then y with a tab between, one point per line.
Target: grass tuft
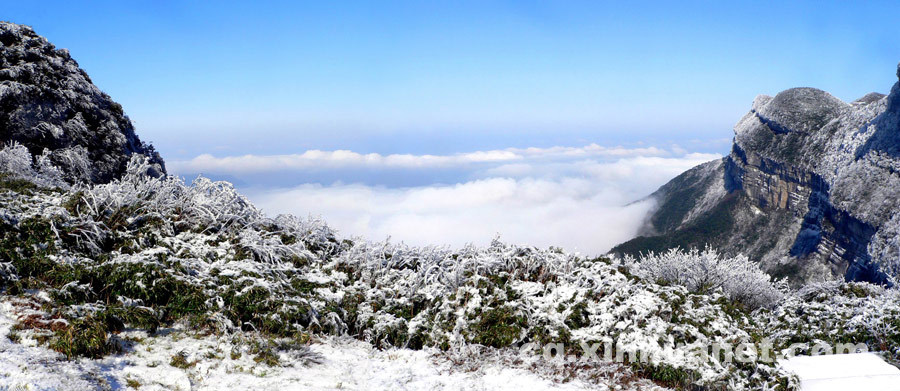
85	337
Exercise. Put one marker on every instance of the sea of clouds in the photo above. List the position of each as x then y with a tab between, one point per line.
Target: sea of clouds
585	199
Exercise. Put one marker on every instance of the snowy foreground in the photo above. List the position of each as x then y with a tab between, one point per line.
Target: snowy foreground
861	371
339	363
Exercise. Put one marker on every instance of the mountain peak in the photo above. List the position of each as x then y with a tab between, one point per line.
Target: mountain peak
48	103
871	97
800	109
809	190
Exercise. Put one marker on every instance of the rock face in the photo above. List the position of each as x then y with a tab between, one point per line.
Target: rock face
811	190
48	103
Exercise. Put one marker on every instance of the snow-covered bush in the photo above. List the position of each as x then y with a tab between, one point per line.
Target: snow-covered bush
17	162
7	273
740	279
837	312
209	205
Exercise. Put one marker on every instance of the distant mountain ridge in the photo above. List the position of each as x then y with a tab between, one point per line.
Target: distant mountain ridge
48	102
811	189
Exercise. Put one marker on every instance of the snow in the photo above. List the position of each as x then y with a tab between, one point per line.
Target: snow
345	363
355	365
839	372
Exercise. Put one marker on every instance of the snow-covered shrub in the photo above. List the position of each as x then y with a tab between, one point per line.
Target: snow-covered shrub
16	162
76	161
15	159
837	312
505	295
705	271
7	273
205	204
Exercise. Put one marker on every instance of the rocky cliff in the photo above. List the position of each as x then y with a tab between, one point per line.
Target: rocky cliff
48	103
811	189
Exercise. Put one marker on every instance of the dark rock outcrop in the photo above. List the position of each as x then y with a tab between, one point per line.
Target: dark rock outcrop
811	190
48	103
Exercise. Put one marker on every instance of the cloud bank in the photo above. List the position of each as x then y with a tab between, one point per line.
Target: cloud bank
578	198
342	158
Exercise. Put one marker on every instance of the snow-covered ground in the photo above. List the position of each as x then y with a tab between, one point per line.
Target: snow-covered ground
343	363
838	372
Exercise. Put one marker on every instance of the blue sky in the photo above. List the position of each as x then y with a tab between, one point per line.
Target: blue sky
424	77
409	118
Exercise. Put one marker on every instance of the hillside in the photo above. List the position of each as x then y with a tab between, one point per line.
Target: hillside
808	191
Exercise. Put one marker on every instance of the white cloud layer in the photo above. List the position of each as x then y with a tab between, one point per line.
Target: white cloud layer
348	159
576	198
538	212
